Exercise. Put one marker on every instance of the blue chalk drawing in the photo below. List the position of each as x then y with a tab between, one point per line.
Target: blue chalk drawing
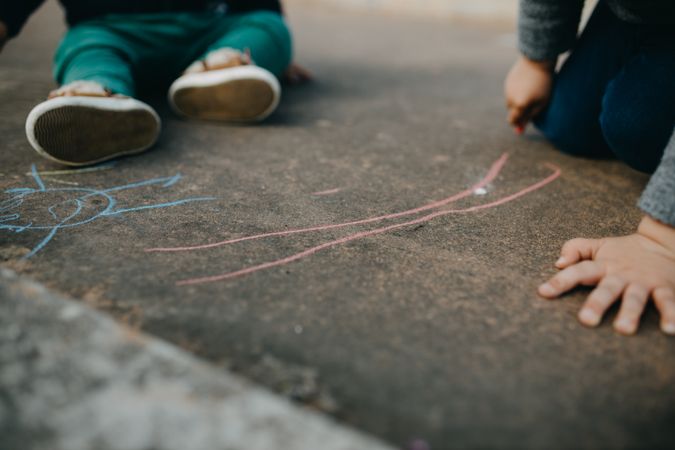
81	206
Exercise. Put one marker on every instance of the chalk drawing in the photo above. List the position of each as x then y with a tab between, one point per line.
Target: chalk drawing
491	175
73	207
327	192
80	170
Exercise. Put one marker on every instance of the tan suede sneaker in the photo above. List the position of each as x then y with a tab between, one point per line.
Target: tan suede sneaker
82	123
226	86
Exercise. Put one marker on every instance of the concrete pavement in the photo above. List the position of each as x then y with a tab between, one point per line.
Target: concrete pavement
430	330
73	379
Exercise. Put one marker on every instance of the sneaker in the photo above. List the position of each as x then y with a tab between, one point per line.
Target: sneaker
84	124
227	86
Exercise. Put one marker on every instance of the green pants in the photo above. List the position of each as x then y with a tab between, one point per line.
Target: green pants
125	51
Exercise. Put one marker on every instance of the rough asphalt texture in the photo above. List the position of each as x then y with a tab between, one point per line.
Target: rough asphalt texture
73	379
431	331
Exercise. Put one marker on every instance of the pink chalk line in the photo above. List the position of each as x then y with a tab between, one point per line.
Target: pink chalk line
328	192
226	276
489	177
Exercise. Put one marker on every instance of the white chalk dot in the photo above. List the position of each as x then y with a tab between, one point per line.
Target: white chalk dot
298	329
480	191
70	312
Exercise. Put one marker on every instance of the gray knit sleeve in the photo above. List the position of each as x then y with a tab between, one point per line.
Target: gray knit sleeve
658	199
547	28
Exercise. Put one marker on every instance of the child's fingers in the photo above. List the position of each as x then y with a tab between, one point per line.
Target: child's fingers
515	116
535	110
608	291
296	74
585	273
3	35
303	74
635	299
520	116
576	250
664	298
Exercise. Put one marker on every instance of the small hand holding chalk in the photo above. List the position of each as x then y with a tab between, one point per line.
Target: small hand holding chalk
635	267
527	90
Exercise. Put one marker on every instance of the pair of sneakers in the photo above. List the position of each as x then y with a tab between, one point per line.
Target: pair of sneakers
83	123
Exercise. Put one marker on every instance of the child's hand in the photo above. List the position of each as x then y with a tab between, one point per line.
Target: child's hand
527	89
3	35
296	74
636	267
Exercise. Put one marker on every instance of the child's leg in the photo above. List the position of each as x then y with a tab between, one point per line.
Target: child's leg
263	33
93	52
571	120
638	112
223	84
84	122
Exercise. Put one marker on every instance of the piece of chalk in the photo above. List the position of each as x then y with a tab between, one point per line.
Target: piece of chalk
520	130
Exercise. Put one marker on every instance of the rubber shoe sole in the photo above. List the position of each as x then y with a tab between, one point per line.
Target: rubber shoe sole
79	131
236	94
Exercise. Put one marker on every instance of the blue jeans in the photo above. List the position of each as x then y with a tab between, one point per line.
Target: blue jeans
615	95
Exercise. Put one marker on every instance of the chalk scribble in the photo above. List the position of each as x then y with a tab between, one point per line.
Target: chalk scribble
327	192
478	189
68	207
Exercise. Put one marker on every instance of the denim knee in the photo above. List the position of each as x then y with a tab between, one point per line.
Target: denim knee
631	137
576	136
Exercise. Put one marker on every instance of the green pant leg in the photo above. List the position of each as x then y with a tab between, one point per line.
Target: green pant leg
93	52
264	33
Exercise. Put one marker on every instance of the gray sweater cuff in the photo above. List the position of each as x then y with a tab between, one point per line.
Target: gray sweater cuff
547	28
658	199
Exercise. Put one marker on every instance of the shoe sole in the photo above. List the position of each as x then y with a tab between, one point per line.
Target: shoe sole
79	131
238	94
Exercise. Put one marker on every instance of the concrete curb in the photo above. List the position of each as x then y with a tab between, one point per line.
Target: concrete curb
71	379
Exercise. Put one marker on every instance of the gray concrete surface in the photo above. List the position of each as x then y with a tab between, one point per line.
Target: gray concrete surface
475	10
431	331
71	379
